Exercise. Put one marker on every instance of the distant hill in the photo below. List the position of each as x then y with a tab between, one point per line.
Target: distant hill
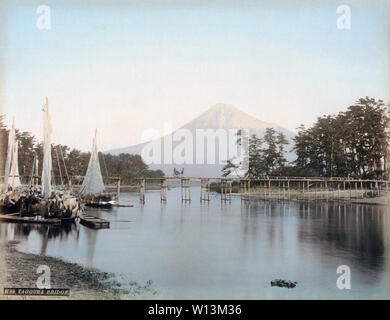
220	116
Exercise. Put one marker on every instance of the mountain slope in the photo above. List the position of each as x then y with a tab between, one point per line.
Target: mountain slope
220	116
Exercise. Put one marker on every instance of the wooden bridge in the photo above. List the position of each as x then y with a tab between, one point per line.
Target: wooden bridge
280	188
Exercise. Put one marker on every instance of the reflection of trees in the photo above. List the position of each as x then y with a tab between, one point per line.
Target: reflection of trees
350	231
46	232
345	228
265	227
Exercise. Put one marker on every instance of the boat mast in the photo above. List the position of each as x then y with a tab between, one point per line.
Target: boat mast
10	153
14	163
47	161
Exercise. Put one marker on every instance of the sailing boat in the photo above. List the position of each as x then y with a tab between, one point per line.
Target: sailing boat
92	188
10	198
11	177
14	176
49	205
57	205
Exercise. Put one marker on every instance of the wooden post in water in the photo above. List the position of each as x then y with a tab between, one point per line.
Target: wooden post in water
326	190
142	191
371	189
204	190
226	190
350	191
344	191
164	187
338	188
356	190
118	188
288	189
185	189
269	188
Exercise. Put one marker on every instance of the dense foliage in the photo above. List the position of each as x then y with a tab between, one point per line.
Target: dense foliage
266	155
353	143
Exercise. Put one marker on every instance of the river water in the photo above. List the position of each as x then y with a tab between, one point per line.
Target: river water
228	251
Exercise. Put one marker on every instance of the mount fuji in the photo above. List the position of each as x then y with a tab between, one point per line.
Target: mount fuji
220	116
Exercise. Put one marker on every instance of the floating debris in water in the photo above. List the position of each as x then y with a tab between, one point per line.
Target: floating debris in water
283	283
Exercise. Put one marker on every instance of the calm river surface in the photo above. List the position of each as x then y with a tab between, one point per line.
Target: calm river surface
219	250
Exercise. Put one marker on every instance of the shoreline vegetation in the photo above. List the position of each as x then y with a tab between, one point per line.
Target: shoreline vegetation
71	163
374	197
19	271
353	143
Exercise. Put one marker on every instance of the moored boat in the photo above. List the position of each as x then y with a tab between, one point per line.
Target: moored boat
32	204
92	190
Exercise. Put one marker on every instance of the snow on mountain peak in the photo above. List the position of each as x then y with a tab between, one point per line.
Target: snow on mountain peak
226	116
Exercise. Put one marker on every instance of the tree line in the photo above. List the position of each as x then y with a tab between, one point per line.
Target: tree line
353	143
71	163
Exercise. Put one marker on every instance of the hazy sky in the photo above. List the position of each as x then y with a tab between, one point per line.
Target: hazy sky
124	67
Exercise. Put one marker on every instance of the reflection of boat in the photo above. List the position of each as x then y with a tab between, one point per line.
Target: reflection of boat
92	188
37	219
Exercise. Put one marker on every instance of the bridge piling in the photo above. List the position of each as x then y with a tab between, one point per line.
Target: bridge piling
185	189
164	187
142	191
226	190
204	190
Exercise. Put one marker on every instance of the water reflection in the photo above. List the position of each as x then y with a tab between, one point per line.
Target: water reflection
16	231
360	232
235	247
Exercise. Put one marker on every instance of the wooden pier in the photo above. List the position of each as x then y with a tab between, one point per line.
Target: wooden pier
94	222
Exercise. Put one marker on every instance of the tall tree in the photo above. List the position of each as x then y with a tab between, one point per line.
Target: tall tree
266	155
352	143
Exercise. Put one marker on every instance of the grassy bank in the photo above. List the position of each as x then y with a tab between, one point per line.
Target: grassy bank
85	283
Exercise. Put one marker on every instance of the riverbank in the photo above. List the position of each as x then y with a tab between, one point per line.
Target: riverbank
19	271
350	196
382	200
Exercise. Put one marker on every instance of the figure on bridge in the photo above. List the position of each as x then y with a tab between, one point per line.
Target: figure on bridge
177	173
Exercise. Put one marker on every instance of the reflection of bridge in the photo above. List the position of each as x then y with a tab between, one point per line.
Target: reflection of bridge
280	188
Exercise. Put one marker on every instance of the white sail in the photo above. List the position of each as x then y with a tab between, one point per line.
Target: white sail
14	180
47	161
93	180
10	152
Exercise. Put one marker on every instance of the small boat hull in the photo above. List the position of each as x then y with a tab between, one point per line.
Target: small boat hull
99	205
19	219
103	200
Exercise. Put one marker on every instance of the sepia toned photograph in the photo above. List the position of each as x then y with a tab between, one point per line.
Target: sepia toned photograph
194	150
